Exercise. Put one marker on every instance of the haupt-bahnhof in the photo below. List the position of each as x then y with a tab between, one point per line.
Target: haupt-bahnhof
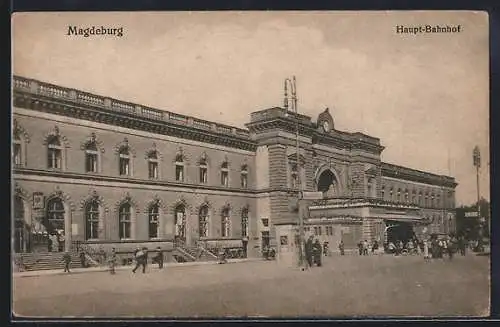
108	173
